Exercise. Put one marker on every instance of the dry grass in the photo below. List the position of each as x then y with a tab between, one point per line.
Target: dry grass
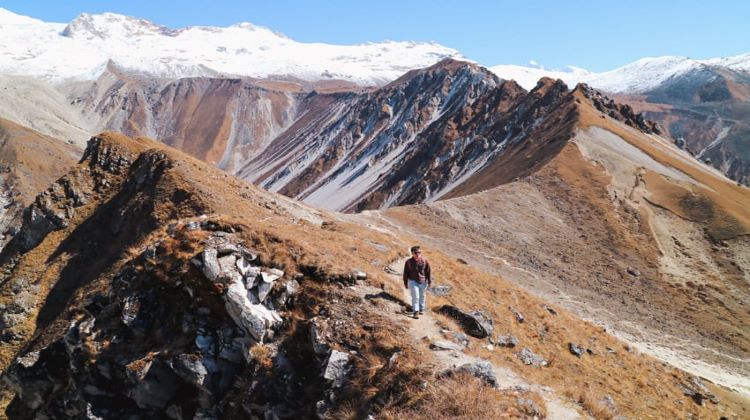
465	397
593	405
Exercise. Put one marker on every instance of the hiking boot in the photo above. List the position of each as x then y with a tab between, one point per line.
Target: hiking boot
421	312
416	315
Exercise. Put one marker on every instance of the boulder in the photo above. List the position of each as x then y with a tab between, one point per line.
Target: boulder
255	319
336	367
476	324
506	341
211	268
529	358
190	368
482	370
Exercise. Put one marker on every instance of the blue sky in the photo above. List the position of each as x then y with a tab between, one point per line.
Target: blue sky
596	35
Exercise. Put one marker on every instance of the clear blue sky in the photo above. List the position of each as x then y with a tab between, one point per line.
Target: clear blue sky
596	35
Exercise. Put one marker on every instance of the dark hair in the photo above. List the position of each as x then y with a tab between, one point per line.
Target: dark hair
415	248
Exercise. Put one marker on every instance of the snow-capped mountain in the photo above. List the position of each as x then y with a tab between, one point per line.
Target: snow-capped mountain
636	77
31	47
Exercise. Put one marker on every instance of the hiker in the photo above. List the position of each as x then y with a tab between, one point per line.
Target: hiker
417	278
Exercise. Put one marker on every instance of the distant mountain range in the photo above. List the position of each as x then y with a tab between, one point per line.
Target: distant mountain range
702	104
83	48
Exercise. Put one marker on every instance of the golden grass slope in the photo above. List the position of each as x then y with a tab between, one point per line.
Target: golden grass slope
35	160
72	264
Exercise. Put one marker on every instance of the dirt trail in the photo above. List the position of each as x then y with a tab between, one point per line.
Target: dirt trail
426	328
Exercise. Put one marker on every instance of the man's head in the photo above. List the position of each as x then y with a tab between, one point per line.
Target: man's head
416	250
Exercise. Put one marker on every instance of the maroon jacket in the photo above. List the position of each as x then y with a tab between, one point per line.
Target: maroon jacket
415	271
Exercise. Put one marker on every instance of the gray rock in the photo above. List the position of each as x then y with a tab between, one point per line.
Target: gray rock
575	350
228	264
529	358
482	370
237	350
291	288
243	266
211	268
550	310
476	324
28	360
255	319
506	341
190	368
336	367
252	277
263	290
445	345
269	277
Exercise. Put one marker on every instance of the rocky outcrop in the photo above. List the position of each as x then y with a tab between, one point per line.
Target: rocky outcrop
476	323
208	321
619	112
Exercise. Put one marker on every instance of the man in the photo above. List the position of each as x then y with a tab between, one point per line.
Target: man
417	278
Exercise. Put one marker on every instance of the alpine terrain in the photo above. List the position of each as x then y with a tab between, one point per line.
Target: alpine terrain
212	222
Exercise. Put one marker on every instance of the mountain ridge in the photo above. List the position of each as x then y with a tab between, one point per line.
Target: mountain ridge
238	50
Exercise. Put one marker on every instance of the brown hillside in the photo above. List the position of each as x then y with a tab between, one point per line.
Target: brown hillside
109	302
29	162
621	228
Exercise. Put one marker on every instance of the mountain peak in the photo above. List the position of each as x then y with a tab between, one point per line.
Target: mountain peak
109	25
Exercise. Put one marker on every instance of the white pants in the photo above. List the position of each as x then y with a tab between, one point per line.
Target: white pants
417	291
